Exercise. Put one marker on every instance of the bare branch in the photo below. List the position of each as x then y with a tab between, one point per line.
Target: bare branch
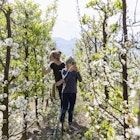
135	11
12	78
2	63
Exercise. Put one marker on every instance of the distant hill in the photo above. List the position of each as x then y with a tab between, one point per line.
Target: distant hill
65	46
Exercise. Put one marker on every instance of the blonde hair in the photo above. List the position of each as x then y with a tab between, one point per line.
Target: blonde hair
56	54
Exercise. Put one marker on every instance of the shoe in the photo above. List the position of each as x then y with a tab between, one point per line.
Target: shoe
62	126
72	127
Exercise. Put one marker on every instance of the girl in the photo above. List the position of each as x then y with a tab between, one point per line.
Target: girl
56	65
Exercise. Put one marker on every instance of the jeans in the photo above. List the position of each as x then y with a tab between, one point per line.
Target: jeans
68	102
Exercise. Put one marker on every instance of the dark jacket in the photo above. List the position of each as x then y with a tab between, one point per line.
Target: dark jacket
70	78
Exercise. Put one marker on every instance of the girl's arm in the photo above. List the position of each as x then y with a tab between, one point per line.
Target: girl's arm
46	71
58	83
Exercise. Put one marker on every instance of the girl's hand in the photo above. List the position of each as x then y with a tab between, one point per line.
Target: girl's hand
76	69
59	82
72	68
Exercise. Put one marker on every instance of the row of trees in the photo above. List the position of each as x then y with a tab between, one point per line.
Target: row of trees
25	40
110	67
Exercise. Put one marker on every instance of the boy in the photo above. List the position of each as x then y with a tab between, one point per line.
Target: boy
70	75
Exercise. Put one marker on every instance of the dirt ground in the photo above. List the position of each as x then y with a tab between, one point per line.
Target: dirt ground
50	127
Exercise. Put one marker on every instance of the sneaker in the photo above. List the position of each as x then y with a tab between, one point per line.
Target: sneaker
72	127
62	127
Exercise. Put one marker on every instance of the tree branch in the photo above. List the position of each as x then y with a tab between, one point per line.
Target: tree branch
2	63
12	78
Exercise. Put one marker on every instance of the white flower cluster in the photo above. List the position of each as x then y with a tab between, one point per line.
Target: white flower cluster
2	96
123	51
16	122
15	55
15	72
30	117
1	77
2	107
1	43
26	85
15	89
4	83
9	42
21	103
136	131
39	58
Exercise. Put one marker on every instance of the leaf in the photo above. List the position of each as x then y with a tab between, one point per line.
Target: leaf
118	4
114	27
136	111
91	3
96	56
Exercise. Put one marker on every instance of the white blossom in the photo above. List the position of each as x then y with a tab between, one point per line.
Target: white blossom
123	51
1	77
11	103
106	83
39	58
9	42
2	107
128	134
5	83
29	84
136	131
15	55
5	95
30	117
123	61
21	103
16	45
90	108
40	118
0	2
87	115
14	89
119	137
132	93
107	69
1	43
97	126
1	96
16	72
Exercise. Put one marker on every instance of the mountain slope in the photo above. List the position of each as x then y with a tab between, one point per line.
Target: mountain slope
65	46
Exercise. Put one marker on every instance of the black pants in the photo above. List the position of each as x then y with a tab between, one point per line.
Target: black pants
68	102
60	94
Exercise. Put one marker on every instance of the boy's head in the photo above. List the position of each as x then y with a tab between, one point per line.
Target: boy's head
70	60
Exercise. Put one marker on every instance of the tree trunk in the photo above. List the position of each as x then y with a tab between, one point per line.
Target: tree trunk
24	135
5	128
124	57
124	65
104	45
139	113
